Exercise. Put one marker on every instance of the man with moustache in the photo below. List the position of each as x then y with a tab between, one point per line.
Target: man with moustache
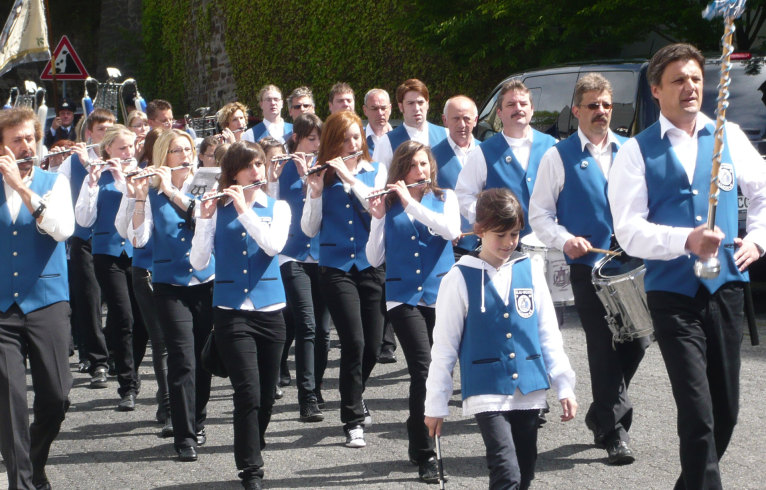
341	98
568	211
377	110
300	101
659	191
508	159
459	117
36	216
270	98
412	98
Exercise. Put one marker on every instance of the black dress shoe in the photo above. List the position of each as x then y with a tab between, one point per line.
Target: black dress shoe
127	404
167	429
284	379
599	439
428	470
201	437
618	453
186	454
387	357
43	486
309	412
278	393
251	482
83	367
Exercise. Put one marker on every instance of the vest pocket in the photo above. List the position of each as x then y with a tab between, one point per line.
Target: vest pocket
486	361
162	261
48	276
393	279
328	244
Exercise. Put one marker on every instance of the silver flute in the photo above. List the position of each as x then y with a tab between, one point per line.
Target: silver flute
96	163
319	168
389	191
132	175
221	194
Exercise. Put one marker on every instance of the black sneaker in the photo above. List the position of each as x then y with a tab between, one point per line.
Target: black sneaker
310	412
127	404
98	378
320	399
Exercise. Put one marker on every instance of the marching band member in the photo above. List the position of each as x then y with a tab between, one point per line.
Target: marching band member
509	158
300	273
144	295
233	121
139	124
35	220
182	296
377	110
411	231
569	212
52	163
341	98
207	152
412	98
494	312
336	209
270	98
248	296
97	207
84	290
300	101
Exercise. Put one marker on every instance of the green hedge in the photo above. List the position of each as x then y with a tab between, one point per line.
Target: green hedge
302	42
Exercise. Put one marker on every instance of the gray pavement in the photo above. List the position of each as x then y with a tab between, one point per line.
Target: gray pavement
101	448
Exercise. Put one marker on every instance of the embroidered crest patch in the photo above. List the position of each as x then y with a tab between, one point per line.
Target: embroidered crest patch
726	177
525	305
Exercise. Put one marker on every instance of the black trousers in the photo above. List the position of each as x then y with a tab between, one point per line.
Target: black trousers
86	302
414	327
115	279
307	314
250	344
144	294
355	300
42	336
611	366
700	341
186	318
510	440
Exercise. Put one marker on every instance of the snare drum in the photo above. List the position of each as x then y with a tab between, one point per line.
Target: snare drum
555	267
619	284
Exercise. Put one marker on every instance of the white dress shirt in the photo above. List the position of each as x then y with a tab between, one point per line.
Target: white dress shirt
550	183
66	166
275	129
446	225
451	311
384	153
311	220
270	236
58	217
460	152
628	197
473	177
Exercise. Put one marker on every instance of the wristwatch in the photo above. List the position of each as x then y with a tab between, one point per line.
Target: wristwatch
39	211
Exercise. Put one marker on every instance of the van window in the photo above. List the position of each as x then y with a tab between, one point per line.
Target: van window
552	100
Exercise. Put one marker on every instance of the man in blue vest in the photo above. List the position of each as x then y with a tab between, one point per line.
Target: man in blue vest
459	117
569	211
508	159
36	216
412	98
377	110
270	99
658	191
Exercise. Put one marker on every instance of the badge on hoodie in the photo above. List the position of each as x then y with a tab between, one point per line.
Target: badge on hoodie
525	305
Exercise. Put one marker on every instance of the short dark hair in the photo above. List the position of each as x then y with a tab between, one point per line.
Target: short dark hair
512	85
155	106
498	210
340	88
591	82
299	93
411	85
669	54
99	115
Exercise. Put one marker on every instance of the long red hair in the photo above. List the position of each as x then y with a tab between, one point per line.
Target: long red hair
332	139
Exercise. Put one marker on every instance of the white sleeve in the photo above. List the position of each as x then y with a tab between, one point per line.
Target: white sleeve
202	242
451	309
551	342
86	208
543	203
311	220
124	215
58	218
470	182
383	152
628	199
376	243
271	235
446	224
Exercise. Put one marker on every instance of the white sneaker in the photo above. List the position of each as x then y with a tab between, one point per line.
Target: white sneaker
355	436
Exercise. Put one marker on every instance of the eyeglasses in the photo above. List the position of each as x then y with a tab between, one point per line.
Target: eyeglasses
595	105
167	122
302	106
186	150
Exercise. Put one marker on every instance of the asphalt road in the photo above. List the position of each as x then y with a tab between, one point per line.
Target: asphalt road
100	448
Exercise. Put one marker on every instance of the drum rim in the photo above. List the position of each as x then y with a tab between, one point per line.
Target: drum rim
596	272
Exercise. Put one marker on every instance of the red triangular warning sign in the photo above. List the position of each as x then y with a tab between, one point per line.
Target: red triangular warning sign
67	63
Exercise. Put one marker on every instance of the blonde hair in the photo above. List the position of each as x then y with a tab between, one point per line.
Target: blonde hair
136	114
111	134
162	148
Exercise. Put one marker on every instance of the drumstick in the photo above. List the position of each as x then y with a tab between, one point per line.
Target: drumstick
467	233
439	460
604	251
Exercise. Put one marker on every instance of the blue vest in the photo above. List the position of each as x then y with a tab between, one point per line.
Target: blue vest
345	225
260	131
500	343
582	207
106	240
78	174
416	258
448	169
370	144
399	135
35	275
142	257
505	171
172	243
243	270
298	245
673	201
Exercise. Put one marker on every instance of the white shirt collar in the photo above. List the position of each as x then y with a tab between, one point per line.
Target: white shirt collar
526	139
369	132
610	139
268	123
414	132
666	125
457	148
